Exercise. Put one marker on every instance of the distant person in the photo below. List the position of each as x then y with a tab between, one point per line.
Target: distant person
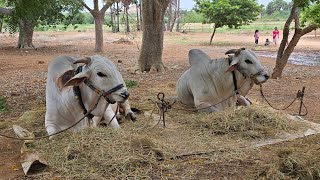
256	36
267	43
275	35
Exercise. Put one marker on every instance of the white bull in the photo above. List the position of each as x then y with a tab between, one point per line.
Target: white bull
96	77
210	85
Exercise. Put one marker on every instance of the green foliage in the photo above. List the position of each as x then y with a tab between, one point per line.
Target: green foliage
311	15
3	105
131	83
192	17
232	13
43	12
277	16
277	6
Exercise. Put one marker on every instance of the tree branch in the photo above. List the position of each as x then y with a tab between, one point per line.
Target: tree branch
309	29
286	31
5	11
86	6
296	20
107	5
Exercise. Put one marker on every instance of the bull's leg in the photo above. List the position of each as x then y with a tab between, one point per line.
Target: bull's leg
52	129
108	116
127	110
96	121
242	101
205	107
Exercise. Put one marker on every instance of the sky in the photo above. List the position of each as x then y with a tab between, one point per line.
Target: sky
188	4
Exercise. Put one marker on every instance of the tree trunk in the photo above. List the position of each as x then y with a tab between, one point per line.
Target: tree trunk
214	31
178	16
169	17
285	52
127	18
137	11
150	58
25	34
98	25
112	20
140	11
1	22
98	16
118	19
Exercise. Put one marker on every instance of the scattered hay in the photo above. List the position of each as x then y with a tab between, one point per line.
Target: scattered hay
294	163
122	41
254	122
137	151
101	153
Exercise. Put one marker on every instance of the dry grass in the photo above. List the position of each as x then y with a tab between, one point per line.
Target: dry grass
137	151
294	160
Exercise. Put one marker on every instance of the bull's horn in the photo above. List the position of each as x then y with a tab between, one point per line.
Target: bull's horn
235	51
85	60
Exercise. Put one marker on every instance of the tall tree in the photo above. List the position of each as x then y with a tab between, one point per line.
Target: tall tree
26	14
150	58
232	13
126	4
276	5
137	13
178	16
311	20
98	16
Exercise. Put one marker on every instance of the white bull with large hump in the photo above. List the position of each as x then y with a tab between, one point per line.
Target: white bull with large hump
210	85
97	76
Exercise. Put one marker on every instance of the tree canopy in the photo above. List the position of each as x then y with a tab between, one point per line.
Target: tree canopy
41	12
277	5
311	14
231	13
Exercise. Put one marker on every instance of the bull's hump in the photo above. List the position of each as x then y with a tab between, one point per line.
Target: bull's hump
196	56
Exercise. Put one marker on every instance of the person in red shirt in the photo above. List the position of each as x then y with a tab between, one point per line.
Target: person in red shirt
275	35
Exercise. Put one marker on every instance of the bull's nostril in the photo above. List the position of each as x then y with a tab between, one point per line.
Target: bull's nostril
125	94
267	76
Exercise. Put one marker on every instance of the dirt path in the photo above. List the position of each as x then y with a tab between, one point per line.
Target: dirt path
23	73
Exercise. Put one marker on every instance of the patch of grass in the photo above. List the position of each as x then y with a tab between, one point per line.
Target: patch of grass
131	83
3	105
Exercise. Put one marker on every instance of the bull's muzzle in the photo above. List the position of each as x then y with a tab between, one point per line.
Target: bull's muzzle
125	95
260	77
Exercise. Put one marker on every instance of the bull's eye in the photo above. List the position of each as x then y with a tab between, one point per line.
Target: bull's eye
248	61
100	74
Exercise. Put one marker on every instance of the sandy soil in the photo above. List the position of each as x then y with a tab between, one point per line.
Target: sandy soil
23	74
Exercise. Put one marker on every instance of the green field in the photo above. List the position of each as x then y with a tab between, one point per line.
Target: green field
263	26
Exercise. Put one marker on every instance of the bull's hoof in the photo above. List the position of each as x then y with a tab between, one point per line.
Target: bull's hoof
131	116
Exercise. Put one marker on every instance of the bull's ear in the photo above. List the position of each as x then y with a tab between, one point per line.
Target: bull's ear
196	56
77	79
64	78
234	64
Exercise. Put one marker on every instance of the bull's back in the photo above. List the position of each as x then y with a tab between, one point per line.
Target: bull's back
183	89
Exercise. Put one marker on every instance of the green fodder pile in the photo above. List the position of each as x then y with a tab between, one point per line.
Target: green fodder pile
153	152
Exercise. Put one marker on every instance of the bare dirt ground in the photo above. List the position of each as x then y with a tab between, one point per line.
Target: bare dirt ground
23	77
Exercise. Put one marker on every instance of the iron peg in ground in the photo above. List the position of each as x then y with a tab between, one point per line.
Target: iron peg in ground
300	96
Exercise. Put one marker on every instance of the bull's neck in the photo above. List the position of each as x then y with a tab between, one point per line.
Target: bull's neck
243	84
90	98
